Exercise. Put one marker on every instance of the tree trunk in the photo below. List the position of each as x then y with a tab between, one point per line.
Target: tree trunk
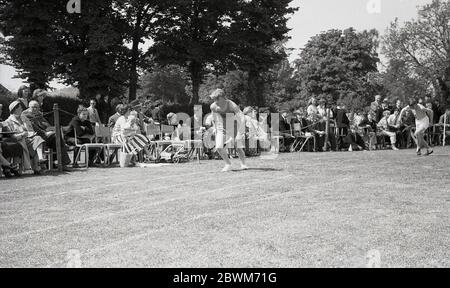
133	68
255	91
196	76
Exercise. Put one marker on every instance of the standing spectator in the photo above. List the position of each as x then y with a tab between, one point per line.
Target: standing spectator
93	115
313	112
157	111
104	109
322	110
398	106
115	102
376	109
39	95
342	124
24	95
445	120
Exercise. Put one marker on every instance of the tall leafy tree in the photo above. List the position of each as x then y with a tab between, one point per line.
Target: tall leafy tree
167	84
399	83
29	30
424	46
258	34
92	55
189	32
139	15
338	65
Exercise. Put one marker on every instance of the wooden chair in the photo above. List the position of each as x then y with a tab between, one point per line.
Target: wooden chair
92	138
301	139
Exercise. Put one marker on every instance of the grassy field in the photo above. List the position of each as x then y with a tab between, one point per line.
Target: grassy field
299	210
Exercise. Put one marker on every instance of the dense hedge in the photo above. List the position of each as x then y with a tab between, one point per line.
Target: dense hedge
67	104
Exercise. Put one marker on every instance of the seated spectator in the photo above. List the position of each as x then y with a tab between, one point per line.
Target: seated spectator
313	111
385	129
36	123
394	121
93	115
8	168
28	140
285	130
172	119
182	132
128	133
368	129
80	132
120	111
308	128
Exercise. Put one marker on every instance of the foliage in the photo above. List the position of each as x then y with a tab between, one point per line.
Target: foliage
167	84
423	45
32	49
337	65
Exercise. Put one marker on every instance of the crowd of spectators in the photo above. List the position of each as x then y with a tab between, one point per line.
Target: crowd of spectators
26	133
379	126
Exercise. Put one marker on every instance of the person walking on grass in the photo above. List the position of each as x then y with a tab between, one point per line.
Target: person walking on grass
423	119
226	136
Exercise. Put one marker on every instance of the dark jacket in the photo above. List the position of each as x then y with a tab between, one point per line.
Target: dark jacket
342	119
82	128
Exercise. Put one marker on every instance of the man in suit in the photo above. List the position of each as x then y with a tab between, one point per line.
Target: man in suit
285	129
342	124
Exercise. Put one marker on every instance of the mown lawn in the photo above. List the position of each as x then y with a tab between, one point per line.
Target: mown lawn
298	210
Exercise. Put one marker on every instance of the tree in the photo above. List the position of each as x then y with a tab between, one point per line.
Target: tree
140	15
337	65
167	84
91	51
423	45
281	86
188	33
258	34
398	83
29	44
234	84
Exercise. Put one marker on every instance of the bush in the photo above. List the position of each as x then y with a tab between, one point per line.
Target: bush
67	104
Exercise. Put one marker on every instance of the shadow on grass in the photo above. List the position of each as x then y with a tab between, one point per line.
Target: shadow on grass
261	170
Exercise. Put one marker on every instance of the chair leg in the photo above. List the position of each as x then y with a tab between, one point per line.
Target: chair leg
50	159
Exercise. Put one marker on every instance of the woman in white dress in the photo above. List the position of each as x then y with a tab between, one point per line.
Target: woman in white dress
234	136
423	116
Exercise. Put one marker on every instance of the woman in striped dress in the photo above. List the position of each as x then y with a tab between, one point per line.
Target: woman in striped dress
128	132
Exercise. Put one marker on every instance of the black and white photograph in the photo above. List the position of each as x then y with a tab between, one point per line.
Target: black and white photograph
224	134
